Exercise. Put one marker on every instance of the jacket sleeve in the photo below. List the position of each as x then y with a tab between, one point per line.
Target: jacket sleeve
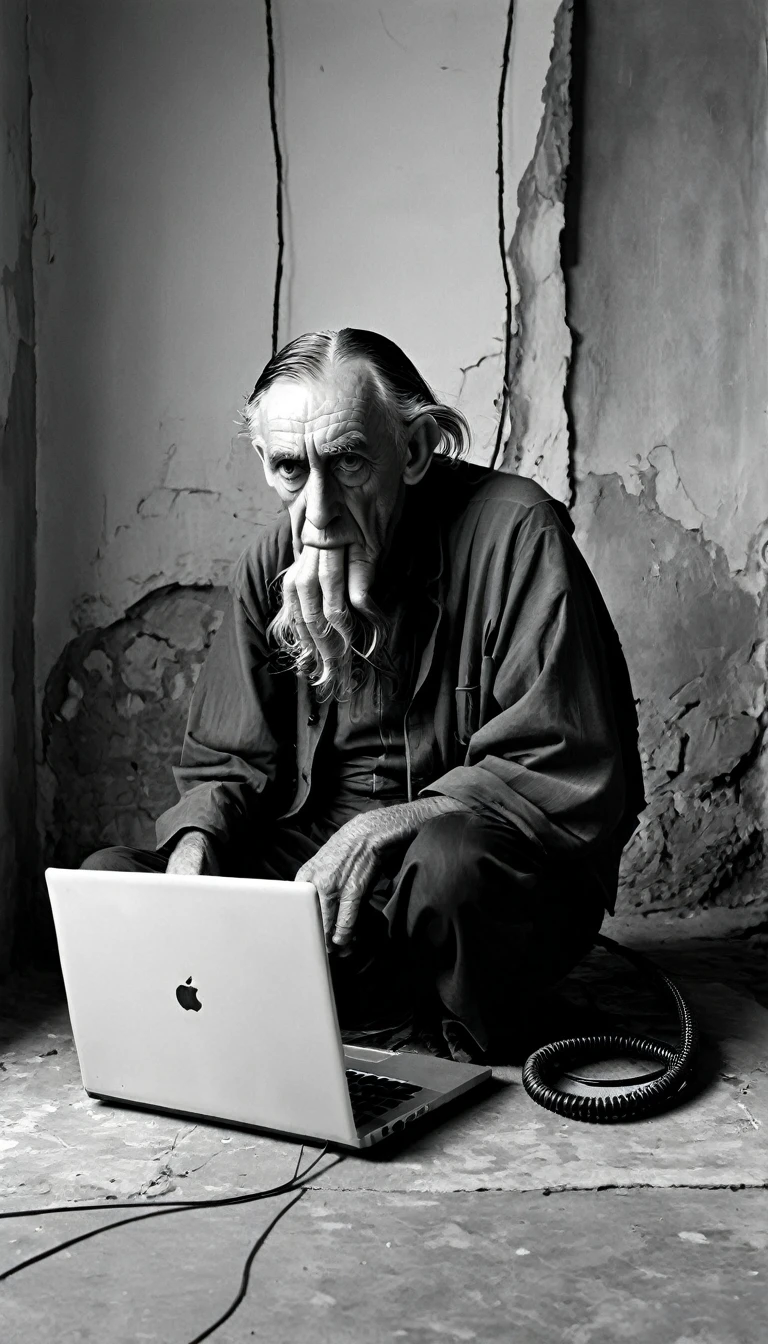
547	755
239	728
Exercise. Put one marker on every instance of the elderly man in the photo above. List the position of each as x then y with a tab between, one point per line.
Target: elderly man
417	701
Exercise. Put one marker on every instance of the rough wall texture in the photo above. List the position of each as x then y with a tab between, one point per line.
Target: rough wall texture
154	262
17	477
694	642
155	252
668	302
154	302
113	720
538	443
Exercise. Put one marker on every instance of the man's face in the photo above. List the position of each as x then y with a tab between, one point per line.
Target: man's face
330	453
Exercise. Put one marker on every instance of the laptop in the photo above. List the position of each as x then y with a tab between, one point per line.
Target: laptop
211	997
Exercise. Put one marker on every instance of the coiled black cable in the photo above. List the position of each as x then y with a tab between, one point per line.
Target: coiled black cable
660	1091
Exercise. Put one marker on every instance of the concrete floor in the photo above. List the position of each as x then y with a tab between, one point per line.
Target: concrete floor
503	1223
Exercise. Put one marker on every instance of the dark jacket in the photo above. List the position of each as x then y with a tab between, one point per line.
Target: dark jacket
522	706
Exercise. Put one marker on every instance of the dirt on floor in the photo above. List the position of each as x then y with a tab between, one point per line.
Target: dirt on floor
502	1222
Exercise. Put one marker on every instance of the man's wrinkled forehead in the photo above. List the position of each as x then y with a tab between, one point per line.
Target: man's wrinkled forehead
343	403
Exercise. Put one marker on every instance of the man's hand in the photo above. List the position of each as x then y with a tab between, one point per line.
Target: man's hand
347	865
192	855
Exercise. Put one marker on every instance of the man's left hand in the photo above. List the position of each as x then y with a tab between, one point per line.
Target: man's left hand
348	864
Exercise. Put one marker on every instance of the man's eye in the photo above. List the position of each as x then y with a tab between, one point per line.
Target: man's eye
349	462
290	471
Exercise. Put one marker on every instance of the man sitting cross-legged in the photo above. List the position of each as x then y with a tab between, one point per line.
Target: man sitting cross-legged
416	701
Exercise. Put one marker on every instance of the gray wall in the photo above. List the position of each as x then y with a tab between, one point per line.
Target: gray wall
155	254
18	847
154	257
668	303
154	263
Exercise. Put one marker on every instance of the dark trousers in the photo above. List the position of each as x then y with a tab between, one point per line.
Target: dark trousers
472	928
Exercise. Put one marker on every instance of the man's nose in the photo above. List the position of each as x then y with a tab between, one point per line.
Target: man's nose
322	504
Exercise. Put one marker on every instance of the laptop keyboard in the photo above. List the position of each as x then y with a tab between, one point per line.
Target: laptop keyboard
372	1096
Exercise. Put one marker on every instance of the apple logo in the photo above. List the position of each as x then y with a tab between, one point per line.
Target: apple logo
187	996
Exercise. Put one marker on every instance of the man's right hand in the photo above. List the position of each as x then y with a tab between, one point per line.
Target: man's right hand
193	855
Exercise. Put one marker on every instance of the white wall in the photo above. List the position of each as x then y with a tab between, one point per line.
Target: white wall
156	246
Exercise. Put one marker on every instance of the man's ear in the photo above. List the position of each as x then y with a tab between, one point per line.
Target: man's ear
423	438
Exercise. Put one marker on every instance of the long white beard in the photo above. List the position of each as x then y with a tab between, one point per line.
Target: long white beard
356	649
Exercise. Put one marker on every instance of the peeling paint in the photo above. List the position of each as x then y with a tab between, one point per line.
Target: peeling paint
538	443
667	461
669	295
113	721
208	528
659	472
668	300
689	632
155	319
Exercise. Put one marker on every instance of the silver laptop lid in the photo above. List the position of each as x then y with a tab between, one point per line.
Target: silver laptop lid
207	995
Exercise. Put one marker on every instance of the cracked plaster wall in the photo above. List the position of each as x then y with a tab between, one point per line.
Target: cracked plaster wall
154	253
113	720
155	321
538	443
154	258
17	476
668	302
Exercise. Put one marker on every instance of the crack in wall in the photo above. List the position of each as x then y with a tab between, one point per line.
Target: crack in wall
696	649
538	443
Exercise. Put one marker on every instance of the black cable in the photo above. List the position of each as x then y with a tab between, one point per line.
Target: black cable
83	1236
503	230
243	1289
109	1205
657	1092
279	184
179	1206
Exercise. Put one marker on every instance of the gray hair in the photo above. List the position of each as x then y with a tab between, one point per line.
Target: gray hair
403	393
